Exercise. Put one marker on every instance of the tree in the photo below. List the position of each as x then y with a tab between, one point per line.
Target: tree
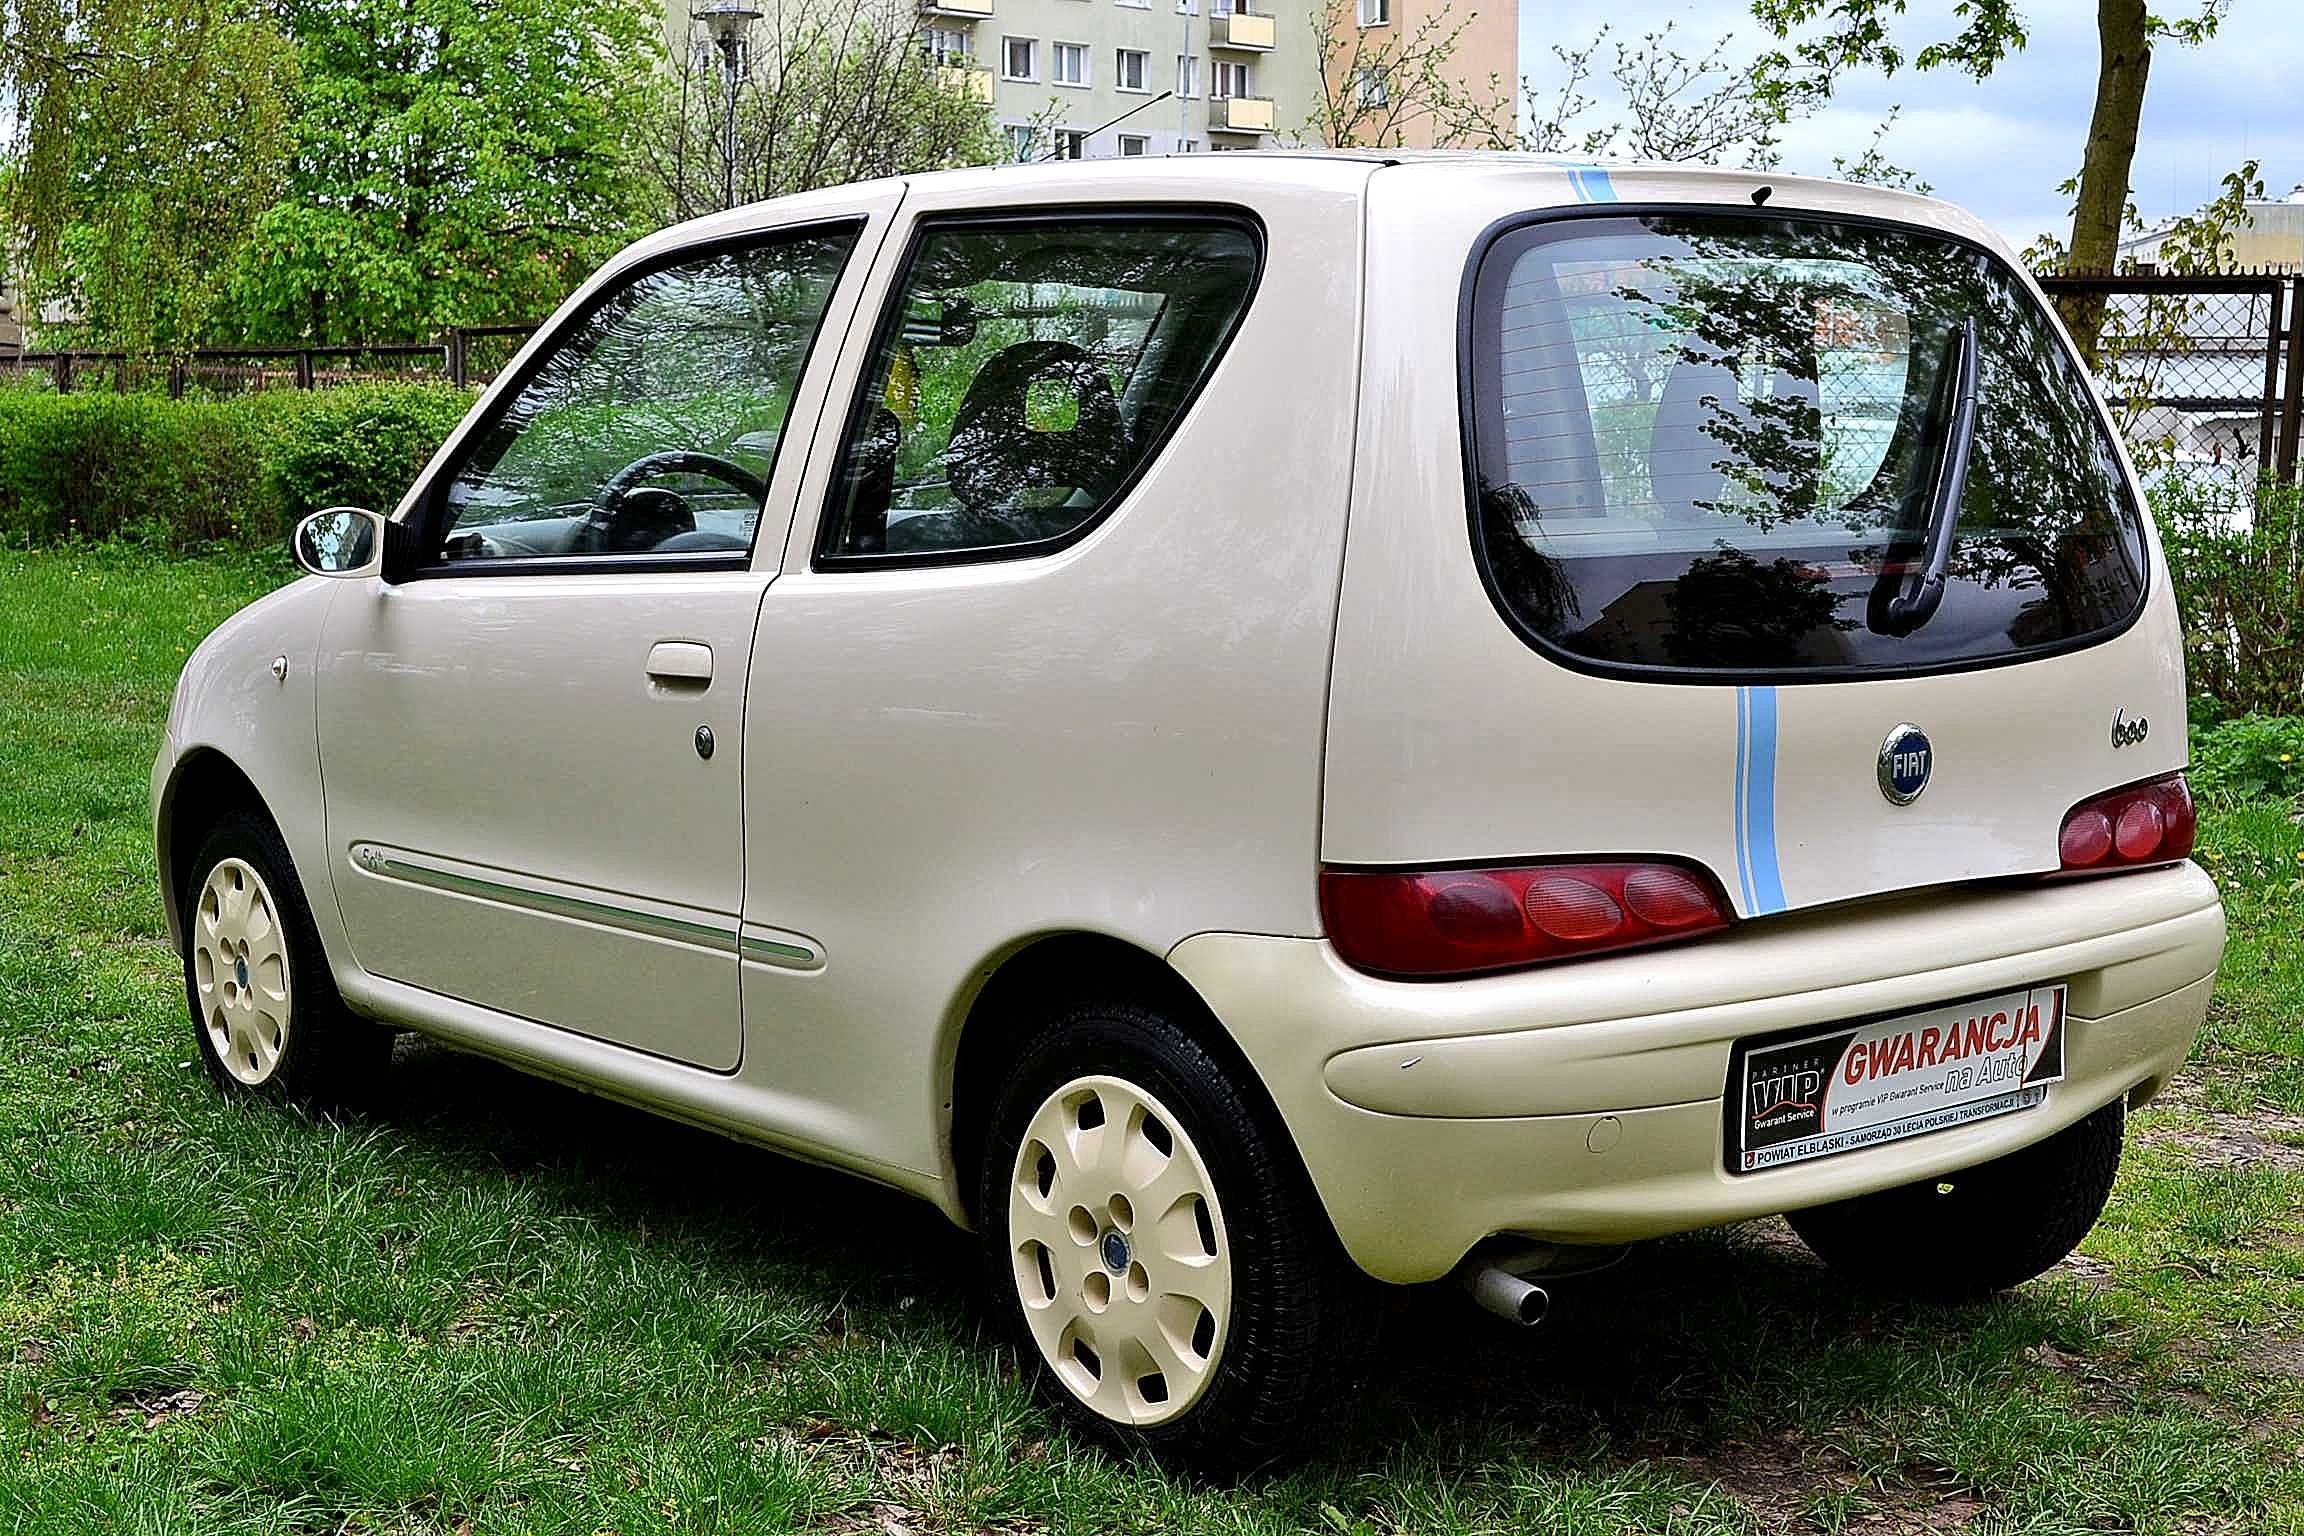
1855	34
453	162
833	94
1669	106
1381	85
145	142
1663	104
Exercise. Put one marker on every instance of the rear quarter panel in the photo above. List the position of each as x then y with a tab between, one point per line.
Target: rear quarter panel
1123	737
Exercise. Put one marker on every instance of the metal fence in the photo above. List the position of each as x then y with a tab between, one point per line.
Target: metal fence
2202	370
468	355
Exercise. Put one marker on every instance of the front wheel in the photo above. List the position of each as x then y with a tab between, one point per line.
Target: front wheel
1967	1234
1164	1266
265	1012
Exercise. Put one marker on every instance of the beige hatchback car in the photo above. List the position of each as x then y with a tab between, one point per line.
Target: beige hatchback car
1246	722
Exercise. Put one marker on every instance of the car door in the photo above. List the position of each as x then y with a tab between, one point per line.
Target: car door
532	748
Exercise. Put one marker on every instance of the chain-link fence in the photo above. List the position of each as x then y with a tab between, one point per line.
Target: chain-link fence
2199	370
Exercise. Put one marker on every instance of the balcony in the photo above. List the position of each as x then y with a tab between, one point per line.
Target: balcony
1240	114
958	10
1250	34
968	78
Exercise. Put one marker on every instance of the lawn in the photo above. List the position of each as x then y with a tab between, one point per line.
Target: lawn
498	1305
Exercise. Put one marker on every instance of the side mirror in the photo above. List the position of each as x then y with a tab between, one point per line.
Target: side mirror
350	541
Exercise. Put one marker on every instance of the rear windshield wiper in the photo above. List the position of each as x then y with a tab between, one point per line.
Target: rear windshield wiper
1914	601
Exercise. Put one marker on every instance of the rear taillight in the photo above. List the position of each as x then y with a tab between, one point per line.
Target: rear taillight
1451	922
2148	823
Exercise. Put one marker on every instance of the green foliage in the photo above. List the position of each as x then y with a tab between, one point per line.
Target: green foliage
2236	559
359	446
2251	757
146	137
179	474
455	162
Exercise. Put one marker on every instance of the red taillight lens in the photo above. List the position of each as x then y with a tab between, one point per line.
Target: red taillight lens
1452	922
2148	823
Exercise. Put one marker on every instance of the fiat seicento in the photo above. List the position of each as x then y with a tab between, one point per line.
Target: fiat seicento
1246	723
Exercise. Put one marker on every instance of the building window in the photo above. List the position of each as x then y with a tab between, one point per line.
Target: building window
1019	58
1128	65
1371	86
1071	144
1068	64
1132	145
946	45
1023	143
1219	7
1187	75
1230	79
1375	13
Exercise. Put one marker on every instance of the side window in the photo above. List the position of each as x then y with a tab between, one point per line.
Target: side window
1029	369
652	426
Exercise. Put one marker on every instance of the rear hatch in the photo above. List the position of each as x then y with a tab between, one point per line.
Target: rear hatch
1790	540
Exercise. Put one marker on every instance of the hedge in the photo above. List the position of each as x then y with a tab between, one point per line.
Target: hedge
185	473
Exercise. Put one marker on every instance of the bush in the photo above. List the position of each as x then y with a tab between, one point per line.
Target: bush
2236	559
2254	757
184	473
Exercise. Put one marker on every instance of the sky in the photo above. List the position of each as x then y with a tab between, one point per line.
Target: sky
2000	148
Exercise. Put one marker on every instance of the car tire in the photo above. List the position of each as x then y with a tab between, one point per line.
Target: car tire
266	1016
1968	1234
1155	1249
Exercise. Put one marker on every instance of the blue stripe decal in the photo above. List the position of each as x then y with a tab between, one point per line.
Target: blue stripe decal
1592	184
1743	848
1756	862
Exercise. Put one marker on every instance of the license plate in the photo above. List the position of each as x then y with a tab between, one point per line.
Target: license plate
1822	1092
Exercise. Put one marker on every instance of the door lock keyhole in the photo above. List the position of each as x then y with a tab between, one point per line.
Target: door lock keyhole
704	742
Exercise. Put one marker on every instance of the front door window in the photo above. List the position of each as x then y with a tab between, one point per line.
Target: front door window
652	426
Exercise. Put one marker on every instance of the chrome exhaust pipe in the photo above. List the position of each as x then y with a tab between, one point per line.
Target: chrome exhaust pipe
1507	1295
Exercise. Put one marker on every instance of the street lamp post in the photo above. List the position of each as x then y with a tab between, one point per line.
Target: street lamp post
727	22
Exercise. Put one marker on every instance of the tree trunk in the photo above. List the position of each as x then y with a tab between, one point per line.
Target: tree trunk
2126	52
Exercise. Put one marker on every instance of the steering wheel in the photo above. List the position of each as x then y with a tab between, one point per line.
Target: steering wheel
628	518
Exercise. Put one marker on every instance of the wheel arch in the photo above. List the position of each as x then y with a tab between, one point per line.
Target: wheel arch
995	1021
203	787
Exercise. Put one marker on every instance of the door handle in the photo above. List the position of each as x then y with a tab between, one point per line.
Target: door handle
680	661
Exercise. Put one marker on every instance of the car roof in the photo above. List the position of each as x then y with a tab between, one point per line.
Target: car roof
1531	181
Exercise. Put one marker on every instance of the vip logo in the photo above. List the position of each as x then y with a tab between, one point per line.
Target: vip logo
1800	1090
2127	732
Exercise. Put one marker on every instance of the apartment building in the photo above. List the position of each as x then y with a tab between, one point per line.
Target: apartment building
1084	78
1089	79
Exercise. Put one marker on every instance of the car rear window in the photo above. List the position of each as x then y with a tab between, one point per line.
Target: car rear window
1709	443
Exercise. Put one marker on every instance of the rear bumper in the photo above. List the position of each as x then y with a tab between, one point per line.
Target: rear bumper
1582	1103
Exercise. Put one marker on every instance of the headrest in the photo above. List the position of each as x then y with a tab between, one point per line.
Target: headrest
996	453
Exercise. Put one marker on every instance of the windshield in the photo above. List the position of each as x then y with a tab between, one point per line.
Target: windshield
1711	443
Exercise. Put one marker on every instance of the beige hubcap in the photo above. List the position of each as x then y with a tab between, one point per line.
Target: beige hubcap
1119	1252
240	971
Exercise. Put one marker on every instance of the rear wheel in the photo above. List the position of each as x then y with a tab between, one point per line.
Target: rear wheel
1163	1264
265	1012
1968	1234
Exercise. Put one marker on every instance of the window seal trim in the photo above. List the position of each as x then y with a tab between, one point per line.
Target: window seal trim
431	505
823	558
1650	672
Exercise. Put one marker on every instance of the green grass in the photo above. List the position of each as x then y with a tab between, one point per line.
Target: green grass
498	1305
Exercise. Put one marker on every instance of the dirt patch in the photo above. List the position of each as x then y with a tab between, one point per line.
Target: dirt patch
2220	1140
158	1406
1781	1482
907	1484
